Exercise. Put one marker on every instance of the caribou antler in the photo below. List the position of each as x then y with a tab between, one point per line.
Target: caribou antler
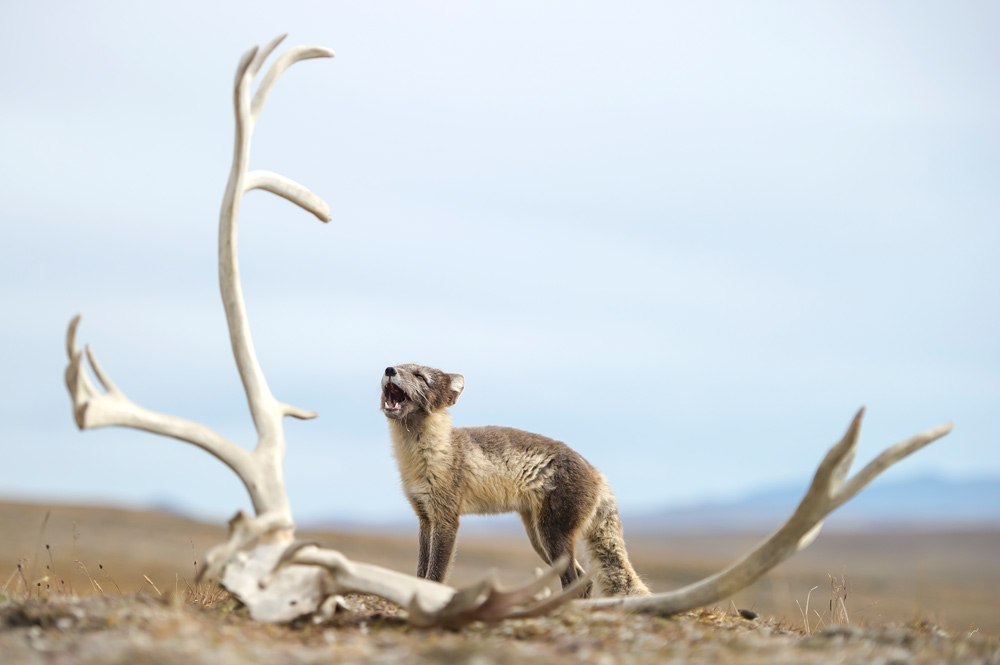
279	581
257	544
260	469
829	490
430	603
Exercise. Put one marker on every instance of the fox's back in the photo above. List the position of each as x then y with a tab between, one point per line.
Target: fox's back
507	469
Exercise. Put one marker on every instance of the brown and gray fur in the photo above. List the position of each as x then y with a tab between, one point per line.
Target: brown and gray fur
448	471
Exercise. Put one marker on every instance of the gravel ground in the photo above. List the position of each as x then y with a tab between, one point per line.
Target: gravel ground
141	629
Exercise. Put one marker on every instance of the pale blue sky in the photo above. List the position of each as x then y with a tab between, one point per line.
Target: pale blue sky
688	239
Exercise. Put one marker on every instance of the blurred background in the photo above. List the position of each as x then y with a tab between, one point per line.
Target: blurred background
689	240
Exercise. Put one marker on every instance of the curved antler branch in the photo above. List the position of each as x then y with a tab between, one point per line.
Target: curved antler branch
430	603
884	460
262	54
290	190
828	491
108	406
264	409
260	470
286	60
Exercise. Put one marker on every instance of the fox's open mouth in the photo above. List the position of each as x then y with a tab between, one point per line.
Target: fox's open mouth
394	397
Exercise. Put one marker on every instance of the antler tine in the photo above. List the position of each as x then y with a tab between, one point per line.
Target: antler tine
93	407
529	592
487	601
429	603
837	462
496	606
453	613
290	190
472	596
546	605
523	602
843	467
243	75
887	458
71	336
265	410
78	384
296	412
264	53
827	492
287	59
99	372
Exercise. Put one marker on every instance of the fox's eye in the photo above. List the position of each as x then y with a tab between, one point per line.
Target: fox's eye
422	378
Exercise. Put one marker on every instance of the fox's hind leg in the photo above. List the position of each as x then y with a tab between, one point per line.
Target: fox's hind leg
530	520
557	525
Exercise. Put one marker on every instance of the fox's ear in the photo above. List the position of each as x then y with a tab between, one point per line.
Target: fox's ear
457	385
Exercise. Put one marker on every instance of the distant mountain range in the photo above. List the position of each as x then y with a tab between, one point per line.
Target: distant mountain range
929	502
925	502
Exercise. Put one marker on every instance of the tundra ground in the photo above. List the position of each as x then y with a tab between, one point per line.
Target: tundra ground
106	585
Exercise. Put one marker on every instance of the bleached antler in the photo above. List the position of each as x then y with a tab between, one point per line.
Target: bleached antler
829	490
260	470
279	581
108	406
430	603
266	411
257	544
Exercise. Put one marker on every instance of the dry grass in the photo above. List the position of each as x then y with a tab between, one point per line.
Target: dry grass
949	578
89	585
838	601
146	629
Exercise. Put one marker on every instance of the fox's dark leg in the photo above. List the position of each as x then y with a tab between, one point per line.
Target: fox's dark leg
559	520
442	546
423	537
423	558
530	522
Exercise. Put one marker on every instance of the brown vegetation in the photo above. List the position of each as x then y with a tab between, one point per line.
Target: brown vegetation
83	585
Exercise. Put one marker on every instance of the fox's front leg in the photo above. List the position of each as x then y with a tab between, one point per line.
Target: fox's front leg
423	536
442	546
423	558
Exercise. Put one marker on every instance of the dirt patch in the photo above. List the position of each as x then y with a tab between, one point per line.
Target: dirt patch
139	629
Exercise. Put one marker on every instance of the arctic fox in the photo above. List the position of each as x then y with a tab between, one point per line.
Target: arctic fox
448	472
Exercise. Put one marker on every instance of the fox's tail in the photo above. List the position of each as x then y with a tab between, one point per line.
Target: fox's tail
606	541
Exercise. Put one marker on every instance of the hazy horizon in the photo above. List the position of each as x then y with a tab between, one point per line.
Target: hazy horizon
689	241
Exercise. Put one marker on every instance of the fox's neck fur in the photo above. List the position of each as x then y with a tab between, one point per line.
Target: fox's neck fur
423	446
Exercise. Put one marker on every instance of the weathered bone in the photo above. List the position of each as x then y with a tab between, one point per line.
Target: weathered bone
279	579
430	603
829	490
